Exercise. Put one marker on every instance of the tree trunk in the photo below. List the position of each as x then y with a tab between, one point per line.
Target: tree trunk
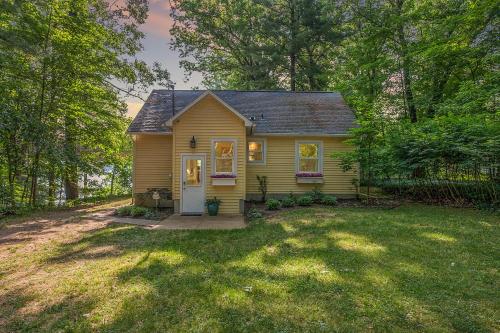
293	46
34	180
52	189
310	73
112	181
85	184
408	93
71	183
71	163
11	170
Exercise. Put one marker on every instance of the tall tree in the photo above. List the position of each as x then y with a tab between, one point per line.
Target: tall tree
66	66
258	44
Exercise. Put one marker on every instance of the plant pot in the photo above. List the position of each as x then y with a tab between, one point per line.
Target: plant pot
309	180
223	181
213	209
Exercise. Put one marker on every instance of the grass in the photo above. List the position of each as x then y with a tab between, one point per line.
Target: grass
414	268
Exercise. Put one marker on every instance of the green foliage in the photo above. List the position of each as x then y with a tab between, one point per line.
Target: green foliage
262	186
421	76
316	195
258	44
329	200
273	204
137	211
124	211
65	69
287	202
254	214
213	201
151	215
305	200
457	152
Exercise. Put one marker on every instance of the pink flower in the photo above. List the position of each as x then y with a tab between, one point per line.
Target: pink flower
308	174
223	176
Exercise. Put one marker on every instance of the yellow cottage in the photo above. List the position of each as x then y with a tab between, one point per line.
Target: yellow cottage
192	145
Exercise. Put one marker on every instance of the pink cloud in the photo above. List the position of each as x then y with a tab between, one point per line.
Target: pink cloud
133	108
158	23
163	4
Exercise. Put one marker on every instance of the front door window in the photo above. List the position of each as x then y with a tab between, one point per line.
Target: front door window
193	172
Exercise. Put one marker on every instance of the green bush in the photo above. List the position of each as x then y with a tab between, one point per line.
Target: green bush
273	204
123	211
151	215
329	200
254	214
287	202
137	211
305	200
316	195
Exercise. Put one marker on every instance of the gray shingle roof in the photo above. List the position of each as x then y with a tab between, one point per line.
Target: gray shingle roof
277	112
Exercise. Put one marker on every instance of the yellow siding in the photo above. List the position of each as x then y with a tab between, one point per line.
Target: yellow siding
280	168
152	162
206	120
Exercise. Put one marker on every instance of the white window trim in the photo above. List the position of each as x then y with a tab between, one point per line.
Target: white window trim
263	141
320	154
235	156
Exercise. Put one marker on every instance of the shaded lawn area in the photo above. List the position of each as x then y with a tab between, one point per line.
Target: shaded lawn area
414	268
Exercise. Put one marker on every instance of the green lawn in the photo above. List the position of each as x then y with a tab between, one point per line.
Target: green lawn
413	268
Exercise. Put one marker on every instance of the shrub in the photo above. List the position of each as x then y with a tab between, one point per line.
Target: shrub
305	200
151	215
287	202
138	211
262	186
254	214
123	211
329	200
273	204
316	195
213	201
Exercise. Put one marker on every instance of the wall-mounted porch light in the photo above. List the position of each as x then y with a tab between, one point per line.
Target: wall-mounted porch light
193	142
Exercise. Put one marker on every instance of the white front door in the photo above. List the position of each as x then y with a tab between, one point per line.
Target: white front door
193	184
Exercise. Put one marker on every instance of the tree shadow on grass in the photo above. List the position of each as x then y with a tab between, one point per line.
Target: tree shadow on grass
20	313
308	272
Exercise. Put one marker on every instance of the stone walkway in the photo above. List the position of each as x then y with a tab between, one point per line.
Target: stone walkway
179	222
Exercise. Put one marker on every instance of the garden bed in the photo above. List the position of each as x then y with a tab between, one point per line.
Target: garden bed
140	212
341	203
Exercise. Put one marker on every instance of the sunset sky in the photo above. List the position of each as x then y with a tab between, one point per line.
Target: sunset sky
156	48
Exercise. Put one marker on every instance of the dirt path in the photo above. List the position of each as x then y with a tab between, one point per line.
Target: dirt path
28	232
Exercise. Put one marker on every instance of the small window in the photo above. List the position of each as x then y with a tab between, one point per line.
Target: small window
224	156
193	172
309	156
256	151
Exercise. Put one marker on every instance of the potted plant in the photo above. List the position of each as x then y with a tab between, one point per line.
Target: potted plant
213	206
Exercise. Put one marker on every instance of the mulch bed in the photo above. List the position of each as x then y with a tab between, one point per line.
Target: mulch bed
344	203
163	213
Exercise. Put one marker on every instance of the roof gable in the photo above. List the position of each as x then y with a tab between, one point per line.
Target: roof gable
199	99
